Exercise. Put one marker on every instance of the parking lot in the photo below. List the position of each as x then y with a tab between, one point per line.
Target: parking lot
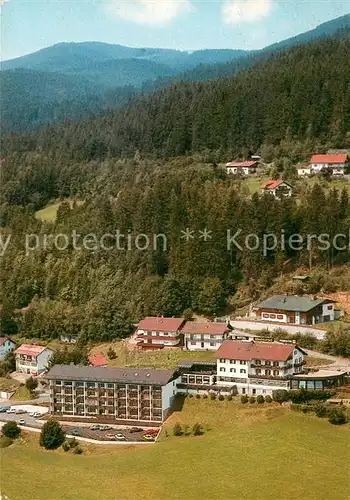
111	433
98	432
29	421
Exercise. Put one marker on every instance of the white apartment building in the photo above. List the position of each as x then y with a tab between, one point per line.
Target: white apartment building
32	359
257	367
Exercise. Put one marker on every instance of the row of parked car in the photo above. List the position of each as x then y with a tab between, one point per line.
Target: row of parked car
19	411
148	435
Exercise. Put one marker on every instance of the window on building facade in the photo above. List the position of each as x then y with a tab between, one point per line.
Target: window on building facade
254	391
222	369
233	370
222	360
193	342
267	372
267	363
232	361
276	373
212	344
242	370
243	390
242	362
275	363
258	371
258	362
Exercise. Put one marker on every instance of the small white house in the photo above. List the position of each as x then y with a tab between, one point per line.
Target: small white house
242	167
158	332
278	188
6	345
304	171
32	359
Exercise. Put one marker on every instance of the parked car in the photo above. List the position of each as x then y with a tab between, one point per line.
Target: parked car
22	421
136	429
120	437
148	437
74	432
20	412
106	427
11	410
95	427
37	414
3	409
111	437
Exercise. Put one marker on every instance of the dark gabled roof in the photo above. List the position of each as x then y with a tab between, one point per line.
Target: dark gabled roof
291	303
105	374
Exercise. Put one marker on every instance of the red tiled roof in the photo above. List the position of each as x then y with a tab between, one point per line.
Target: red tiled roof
271	184
233	349
341	158
247	164
202	328
97	360
30	349
160	324
3	340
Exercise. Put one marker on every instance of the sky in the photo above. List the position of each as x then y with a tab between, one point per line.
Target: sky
29	25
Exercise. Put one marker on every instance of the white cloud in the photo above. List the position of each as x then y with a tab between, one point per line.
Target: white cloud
241	11
153	12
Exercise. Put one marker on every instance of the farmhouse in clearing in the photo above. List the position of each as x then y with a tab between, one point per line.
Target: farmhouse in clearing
278	188
244	168
335	162
295	309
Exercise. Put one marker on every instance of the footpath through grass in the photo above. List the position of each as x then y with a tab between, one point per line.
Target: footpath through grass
247	453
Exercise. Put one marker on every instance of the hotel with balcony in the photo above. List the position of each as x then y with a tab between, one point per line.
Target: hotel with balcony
258	367
32	359
111	394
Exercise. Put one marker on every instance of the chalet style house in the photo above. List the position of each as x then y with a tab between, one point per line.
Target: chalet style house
158	332
32	359
204	336
295	309
118	394
244	168
247	367
278	188
335	162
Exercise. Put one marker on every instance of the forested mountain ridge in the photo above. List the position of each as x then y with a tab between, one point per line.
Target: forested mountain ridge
98	292
300	94
101	69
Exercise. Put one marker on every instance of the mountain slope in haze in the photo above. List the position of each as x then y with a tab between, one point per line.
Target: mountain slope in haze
100	68
71	57
297	95
50	97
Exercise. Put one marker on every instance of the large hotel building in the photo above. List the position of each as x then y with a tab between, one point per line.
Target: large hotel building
132	394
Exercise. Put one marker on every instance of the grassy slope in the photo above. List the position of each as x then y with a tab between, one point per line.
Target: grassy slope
49	213
166	358
248	453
